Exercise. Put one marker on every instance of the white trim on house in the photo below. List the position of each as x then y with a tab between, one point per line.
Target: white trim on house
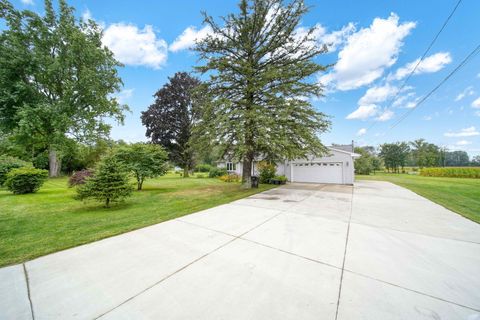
231	166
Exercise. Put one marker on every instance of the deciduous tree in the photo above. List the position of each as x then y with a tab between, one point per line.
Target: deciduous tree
169	120
394	155
143	160
57	80
425	154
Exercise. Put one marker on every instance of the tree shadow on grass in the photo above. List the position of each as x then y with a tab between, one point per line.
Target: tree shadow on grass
151	189
90	206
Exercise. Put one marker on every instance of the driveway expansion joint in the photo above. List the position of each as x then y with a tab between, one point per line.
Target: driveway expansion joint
344	255
411	290
28	290
412	232
189	264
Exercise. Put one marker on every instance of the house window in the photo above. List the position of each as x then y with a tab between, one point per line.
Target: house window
231	166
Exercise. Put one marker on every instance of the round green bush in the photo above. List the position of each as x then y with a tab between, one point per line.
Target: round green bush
217	172
25	180
7	164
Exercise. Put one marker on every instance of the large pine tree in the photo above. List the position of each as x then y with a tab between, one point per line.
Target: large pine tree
261	73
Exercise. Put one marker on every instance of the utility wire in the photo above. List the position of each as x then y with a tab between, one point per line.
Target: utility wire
461	65
420	60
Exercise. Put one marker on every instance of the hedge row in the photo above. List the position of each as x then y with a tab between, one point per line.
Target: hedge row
452	172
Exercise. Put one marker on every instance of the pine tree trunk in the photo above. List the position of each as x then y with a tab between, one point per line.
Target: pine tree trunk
54	163
247	171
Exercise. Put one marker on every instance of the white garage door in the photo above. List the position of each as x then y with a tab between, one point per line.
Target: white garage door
318	172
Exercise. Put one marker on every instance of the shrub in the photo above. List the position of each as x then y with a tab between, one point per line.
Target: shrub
203	168
282	179
217	172
266	171
79	177
233	177
8	163
452	172
108	184
25	180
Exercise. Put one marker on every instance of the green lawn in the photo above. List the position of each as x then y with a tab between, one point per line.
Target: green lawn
461	195
50	220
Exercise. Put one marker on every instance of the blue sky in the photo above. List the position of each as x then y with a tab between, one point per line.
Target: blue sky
375	45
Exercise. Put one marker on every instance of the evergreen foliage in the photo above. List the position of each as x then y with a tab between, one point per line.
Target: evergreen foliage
217	172
7	164
25	180
108	184
261	72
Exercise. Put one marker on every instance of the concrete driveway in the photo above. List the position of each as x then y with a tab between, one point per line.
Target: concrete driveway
373	251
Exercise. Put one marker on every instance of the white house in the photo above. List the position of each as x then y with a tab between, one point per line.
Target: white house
336	167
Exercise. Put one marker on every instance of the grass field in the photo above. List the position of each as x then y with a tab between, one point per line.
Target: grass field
461	195
50	220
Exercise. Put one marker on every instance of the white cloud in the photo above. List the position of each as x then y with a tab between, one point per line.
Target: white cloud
427	118
430	64
378	94
188	38
124	95
404	97
363	112
28	2
467	92
134	46
86	15
336	38
361	132
385	116
411	105
368	52
463	143
476	103
467	132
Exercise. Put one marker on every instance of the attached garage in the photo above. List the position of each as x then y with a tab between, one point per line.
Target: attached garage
337	167
327	172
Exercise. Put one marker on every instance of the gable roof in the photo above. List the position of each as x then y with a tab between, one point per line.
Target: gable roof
353	154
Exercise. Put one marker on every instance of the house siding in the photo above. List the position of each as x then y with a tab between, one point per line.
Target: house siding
286	167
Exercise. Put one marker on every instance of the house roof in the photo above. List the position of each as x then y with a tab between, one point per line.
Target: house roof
333	148
344	147
353	154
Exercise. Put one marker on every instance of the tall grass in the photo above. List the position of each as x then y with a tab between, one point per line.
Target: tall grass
452	172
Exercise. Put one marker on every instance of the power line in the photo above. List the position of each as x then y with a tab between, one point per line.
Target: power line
420	60
462	64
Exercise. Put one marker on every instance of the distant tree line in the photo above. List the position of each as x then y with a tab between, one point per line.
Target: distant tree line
394	157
